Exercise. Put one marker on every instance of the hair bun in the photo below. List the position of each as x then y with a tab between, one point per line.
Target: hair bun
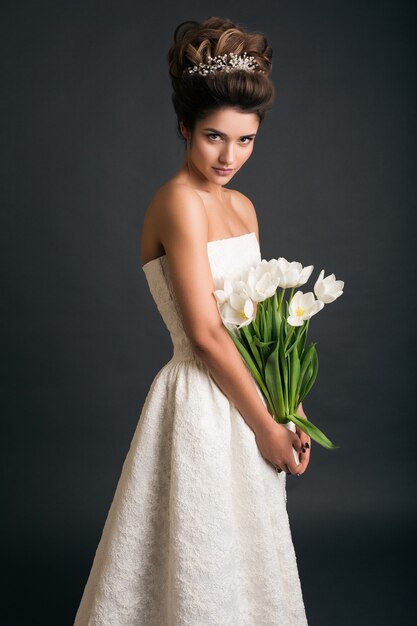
195	95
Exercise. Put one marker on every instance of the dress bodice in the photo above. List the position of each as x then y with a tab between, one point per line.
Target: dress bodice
225	256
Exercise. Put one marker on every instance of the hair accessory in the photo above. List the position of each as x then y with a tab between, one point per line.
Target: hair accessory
222	64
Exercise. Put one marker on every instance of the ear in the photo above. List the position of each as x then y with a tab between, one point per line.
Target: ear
184	130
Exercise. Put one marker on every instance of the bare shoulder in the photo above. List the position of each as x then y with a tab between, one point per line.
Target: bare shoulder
175	211
246	210
170	198
180	209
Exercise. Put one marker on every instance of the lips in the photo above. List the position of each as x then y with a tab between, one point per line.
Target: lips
223	170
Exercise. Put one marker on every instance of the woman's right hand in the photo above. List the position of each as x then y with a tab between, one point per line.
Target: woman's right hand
275	443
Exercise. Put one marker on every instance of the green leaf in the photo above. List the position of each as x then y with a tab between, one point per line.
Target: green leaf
252	345
247	357
284	378
273	382
283	332
302	393
294	378
315	364
263	333
263	344
288	337
268	324
307	358
276	319
251	365
293	347
302	337
311	430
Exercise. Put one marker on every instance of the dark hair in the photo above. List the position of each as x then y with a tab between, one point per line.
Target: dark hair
194	96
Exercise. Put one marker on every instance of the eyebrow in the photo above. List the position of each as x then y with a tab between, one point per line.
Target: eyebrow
218	132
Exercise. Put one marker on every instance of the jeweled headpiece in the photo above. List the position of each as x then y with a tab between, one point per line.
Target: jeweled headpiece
222	64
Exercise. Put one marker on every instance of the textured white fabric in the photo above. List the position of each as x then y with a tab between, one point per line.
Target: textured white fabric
198	532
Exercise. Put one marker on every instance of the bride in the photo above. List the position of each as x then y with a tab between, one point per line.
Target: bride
198	533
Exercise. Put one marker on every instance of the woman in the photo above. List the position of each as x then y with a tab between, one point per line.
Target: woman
198	533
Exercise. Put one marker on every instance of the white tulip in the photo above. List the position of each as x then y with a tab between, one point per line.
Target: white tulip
260	282
290	274
302	307
235	305
238	310
328	289
222	295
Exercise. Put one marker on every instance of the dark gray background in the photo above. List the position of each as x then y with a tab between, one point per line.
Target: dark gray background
88	135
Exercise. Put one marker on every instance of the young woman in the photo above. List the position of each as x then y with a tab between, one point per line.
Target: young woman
198	532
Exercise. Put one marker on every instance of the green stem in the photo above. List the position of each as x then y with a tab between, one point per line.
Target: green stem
255	326
281	297
287	340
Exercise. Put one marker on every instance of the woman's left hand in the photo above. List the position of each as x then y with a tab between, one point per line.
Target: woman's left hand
305	439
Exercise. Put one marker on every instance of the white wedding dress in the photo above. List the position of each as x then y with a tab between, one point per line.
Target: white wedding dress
197	533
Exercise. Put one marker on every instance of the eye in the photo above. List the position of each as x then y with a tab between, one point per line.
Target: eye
211	135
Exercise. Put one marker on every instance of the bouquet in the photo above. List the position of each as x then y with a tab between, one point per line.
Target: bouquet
270	333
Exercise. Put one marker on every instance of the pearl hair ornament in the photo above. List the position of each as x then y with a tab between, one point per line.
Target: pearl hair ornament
222	64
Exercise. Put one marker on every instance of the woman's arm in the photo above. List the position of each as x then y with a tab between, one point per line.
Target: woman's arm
183	229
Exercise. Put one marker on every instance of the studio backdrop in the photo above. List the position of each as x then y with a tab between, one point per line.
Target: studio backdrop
88	136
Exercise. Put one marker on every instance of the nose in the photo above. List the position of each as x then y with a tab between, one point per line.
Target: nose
227	155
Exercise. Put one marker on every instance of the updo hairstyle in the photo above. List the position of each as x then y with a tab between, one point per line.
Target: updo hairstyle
195	96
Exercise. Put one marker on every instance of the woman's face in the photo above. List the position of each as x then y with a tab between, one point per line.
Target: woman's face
223	140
